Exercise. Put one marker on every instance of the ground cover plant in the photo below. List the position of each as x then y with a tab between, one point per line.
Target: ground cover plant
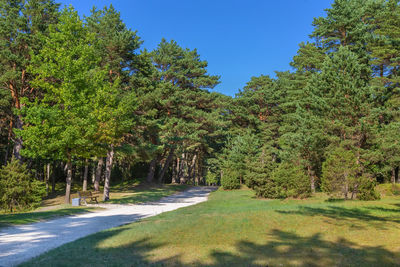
234	228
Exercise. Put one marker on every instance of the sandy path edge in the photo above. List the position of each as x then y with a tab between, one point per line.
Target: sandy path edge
23	242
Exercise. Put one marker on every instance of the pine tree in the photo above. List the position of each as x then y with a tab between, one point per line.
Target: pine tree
21	24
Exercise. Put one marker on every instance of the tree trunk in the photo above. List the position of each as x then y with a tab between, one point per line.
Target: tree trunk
346	189
69	181
53	181
396	176
166	165
312	179
109	162
393	176
93	173
47	178
85	175
152	169
98	174
175	175
18	141
182	178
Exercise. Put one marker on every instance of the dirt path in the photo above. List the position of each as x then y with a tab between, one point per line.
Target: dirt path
20	243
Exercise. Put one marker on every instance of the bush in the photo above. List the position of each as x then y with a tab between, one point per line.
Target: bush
230	179
366	190
287	180
18	190
291	181
340	173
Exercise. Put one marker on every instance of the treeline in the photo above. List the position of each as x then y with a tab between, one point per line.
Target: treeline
81	101
332	123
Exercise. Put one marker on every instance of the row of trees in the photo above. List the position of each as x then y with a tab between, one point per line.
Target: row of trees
334	119
77	97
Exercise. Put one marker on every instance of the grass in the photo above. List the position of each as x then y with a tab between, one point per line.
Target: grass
35	216
235	229
123	193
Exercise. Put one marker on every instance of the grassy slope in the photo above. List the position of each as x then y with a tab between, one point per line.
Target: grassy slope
121	194
235	229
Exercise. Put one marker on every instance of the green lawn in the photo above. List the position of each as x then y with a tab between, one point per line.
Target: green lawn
235	229
35	216
121	194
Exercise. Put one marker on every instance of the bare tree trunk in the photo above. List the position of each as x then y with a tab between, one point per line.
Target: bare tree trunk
98	174
175	175
85	175
191	168
47	178
109	162
152	169
93	173
69	181
53	181
18	141
182	178
393	176
312	179
166	165
346	189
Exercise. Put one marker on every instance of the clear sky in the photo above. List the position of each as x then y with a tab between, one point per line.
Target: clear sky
239	39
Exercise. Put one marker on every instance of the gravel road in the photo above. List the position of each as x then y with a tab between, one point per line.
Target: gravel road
20	243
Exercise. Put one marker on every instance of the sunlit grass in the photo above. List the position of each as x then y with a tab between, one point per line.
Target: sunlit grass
235	229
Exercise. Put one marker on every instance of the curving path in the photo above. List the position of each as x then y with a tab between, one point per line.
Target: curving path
20	243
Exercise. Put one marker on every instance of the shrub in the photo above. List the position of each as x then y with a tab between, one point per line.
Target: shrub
339	173
287	180
230	179
18	190
291	181
366	190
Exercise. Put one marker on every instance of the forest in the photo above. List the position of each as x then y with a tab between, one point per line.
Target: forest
81	102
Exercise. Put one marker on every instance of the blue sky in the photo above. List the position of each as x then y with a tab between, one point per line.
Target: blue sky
239	39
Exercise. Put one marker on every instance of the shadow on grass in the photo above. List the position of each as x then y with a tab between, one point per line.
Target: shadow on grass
289	249
355	214
286	249
149	194
32	217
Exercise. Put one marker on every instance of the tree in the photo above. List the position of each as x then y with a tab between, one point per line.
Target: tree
116	46
21	24
340	173
389	146
18	189
66	121
181	123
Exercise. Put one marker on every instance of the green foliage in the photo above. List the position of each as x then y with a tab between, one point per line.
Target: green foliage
340	173
18	189
287	180
230	179
367	190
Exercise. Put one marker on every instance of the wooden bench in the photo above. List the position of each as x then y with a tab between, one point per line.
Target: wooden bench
86	195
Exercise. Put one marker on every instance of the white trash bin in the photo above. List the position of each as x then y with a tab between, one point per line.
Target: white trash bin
76	202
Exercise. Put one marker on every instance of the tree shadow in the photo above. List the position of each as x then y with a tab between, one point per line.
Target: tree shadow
148	194
285	249
289	249
340	214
